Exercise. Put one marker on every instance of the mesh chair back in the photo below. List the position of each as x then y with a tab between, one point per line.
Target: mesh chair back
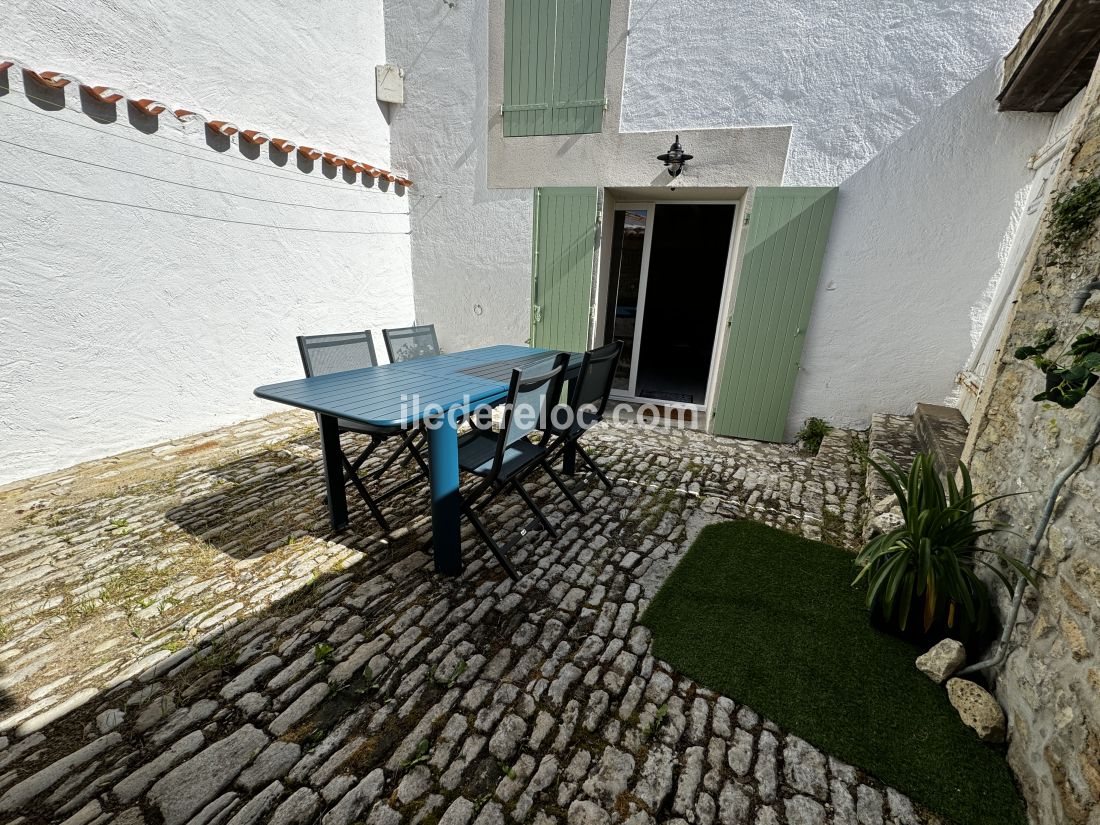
527	409
406	343
336	352
593	388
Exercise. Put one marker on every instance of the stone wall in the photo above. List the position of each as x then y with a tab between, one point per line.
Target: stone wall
1050	685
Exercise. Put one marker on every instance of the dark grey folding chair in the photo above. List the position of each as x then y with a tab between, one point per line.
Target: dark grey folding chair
406	343
588	401
502	459
339	352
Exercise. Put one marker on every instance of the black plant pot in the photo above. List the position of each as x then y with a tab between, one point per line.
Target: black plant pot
975	635
1054	392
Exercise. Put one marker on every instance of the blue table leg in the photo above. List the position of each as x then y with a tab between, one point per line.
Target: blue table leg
334	473
446	503
569	454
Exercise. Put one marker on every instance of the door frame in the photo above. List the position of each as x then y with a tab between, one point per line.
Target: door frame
729	278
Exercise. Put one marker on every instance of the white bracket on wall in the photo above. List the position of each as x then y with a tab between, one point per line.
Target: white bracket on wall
390	83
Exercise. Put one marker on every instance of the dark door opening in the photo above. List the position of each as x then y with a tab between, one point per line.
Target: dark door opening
689	249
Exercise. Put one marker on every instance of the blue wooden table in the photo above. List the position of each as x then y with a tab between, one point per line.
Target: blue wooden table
443	386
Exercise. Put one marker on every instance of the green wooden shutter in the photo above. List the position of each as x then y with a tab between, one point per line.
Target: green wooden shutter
564	249
784	247
555	58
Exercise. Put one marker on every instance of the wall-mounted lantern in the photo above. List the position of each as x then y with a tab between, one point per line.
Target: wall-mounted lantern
675	158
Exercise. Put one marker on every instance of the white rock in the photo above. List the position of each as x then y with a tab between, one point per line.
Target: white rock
942	661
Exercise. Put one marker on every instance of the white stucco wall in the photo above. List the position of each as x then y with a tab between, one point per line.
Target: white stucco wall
917	235
851	77
471	249
124	326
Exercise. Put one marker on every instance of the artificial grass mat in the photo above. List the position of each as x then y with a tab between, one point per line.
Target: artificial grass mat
771	620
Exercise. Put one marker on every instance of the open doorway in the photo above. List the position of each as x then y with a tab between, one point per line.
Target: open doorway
667	269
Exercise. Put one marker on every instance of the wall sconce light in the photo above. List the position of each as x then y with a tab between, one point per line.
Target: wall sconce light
675	158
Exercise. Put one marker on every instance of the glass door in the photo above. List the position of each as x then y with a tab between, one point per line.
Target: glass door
622	321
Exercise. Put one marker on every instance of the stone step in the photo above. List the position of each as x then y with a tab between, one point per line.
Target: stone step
894	436
942	432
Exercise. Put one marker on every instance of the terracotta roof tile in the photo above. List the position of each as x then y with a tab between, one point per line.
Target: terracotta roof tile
154	108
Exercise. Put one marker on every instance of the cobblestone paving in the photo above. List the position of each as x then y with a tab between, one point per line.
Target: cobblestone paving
183	641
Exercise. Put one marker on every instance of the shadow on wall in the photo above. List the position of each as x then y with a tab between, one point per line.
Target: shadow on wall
918	234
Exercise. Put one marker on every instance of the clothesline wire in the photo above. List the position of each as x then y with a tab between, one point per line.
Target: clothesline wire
199	188
198	216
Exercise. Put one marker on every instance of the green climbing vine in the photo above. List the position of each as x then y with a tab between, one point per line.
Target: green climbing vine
1073	214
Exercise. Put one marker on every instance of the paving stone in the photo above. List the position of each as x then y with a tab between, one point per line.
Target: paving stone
182	720
566	678
868	806
688	784
40	720
299	709
382	814
215	811
901	808
507	737
458	813
357	800
414	784
89	813
297	808
655	782
274	762
612	775
336	787
559	685
765	769
188	787
136	783
802	810
516	778
582	812
660	686
26	790
491	814
257	808
733	804
109	719
248	678
804	768
155	712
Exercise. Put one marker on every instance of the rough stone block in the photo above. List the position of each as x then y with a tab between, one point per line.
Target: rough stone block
942	661
978	709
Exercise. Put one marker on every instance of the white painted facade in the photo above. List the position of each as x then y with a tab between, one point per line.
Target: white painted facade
893	103
124	326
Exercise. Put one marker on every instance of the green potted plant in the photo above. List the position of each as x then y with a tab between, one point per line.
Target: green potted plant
922	577
1067	382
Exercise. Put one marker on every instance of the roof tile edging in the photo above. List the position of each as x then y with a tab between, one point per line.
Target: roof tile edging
153	108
